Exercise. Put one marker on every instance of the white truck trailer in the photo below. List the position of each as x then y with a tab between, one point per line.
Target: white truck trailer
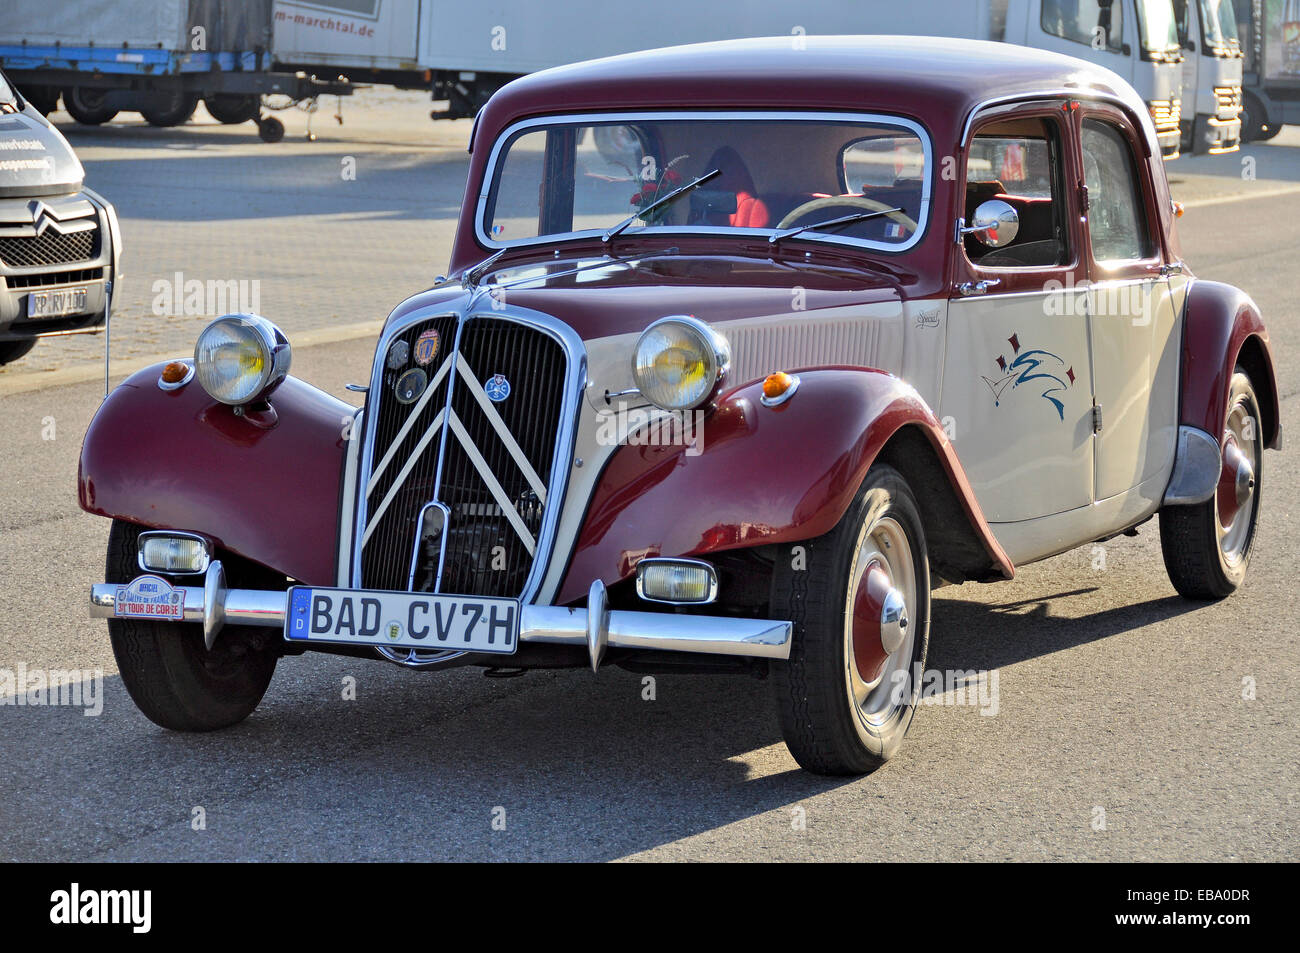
475	48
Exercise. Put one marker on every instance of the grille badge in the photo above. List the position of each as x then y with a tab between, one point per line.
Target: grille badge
497	388
411	385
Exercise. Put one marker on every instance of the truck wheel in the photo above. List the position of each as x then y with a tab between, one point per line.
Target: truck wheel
44	98
167	670
11	351
87	105
176	111
1207	546
232	110
270	129
1255	126
859	598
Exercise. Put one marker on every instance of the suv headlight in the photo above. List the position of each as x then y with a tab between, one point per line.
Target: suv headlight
679	362
241	358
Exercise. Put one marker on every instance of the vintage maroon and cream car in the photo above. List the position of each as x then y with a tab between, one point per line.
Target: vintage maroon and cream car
747	347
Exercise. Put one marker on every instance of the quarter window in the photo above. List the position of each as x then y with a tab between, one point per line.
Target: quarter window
1095	23
1114	199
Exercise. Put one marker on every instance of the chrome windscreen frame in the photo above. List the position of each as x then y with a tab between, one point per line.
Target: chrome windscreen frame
922	218
481	305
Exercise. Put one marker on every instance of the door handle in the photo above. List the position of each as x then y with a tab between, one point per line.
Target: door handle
978	287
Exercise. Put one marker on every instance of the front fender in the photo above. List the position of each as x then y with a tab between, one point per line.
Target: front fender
766	475
1223	328
268	491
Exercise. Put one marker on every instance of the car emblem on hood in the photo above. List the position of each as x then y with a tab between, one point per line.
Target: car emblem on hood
497	388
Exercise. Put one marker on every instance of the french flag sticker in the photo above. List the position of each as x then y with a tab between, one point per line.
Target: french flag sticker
893	230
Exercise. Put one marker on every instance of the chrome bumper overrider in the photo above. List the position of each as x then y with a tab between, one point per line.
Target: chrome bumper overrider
595	627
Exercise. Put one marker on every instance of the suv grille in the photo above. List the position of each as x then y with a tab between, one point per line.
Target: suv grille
496	461
50	247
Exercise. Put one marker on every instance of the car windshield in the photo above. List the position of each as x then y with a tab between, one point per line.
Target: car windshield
1158	27
1218	22
586	175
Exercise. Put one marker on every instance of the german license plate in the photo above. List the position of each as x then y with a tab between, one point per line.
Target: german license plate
408	619
56	302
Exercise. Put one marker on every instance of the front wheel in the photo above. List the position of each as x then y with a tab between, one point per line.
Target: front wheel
11	351
1207	546
167	670
859	598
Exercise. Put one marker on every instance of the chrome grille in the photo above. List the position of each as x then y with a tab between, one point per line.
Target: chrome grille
1228	99
50	247
487	462
1166	114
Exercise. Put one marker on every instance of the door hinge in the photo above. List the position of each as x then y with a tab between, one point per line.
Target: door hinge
1096	418
1083	197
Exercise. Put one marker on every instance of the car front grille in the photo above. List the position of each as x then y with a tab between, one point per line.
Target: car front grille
50	247
485	463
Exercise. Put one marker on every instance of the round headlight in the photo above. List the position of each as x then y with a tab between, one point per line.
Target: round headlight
240	358
679	362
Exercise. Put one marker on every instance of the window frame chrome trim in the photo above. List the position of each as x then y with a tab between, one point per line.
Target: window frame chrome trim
846	117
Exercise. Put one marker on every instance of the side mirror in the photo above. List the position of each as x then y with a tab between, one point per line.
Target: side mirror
995	223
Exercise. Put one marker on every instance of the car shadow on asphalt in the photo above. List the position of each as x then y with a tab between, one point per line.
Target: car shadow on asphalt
974	634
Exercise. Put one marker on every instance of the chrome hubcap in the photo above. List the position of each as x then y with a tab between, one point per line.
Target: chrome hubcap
879	634
1235	498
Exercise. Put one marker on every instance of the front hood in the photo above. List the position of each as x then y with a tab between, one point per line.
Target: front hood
35	159
605	300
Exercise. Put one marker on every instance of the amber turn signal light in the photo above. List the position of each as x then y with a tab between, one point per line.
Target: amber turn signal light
174	372
778	388
777	384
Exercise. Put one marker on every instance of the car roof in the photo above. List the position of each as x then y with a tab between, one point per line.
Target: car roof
924	77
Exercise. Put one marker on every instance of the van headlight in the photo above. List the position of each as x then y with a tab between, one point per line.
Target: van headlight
241	358
679	362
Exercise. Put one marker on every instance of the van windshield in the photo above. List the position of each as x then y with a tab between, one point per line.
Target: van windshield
583	176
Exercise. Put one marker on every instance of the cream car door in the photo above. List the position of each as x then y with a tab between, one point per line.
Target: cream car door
1017	394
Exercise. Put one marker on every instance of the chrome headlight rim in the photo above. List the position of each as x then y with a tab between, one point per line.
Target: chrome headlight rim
712	343
273	347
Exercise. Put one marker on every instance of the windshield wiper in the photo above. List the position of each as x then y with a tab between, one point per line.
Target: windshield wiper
660	203
832	223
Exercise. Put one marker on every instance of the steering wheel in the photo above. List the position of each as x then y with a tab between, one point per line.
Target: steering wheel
853	201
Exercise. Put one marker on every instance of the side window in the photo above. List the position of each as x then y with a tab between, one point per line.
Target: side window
1096	23
1019	162
1115	216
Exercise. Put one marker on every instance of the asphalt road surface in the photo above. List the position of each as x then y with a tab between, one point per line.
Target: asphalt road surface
1129	724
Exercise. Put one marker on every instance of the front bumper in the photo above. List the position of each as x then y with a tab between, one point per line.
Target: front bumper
596	626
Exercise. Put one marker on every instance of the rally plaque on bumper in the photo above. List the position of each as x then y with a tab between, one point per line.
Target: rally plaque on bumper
418	620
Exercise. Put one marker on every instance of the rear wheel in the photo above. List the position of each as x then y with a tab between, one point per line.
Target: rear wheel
87	106
176	110
169	673
12	350
231	109
859	598
1207	546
